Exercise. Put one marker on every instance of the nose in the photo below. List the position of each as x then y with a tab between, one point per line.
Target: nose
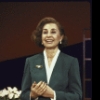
49	34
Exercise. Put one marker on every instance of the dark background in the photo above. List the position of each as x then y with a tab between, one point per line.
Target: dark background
19	19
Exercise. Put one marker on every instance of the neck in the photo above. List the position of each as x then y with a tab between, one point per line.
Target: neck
51	52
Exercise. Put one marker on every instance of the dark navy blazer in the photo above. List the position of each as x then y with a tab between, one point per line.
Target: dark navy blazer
65	78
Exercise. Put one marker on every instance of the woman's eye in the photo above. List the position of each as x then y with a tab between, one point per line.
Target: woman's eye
44	32
53	32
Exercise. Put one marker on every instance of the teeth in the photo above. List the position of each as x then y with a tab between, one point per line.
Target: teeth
49	40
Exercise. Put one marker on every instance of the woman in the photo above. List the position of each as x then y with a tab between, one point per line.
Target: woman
51	75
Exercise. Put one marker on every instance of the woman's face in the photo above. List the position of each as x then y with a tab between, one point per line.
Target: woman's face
51	35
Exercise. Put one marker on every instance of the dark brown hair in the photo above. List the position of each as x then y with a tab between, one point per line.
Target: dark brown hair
37	33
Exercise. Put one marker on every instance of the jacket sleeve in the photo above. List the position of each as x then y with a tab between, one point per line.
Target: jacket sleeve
26	82
74	90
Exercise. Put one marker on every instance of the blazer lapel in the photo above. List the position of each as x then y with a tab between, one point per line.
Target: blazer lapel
41	70
56	71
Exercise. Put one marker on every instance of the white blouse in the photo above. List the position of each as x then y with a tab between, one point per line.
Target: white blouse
49	69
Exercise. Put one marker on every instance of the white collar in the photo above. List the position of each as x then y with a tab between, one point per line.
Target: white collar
50	69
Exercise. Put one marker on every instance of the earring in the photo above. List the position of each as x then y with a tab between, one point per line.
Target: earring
60	42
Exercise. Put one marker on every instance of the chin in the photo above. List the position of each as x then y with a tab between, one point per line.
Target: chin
51	47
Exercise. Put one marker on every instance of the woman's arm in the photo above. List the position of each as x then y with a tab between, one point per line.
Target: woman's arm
74	91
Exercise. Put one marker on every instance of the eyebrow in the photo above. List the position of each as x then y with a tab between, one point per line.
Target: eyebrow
51	29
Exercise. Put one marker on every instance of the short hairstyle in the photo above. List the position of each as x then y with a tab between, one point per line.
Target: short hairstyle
37	33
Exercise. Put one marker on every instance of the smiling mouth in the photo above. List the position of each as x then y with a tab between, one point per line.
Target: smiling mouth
49	41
